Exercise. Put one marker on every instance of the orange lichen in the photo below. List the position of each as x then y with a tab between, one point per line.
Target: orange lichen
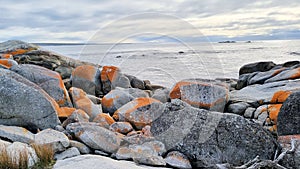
280	96
86	72
6	56
6	63
205	105
273	112
20	51
104	119
287	139
108	102
296	75
109	73
276	72
175	92
66	111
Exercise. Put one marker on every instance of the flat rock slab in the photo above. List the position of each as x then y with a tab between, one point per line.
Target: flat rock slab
94	162
276	92
14	134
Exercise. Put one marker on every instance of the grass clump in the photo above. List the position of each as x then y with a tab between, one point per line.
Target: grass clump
45	154
13	161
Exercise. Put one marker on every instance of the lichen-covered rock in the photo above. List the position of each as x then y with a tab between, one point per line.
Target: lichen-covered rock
121	127
15	47
115	99
6	56
140	112
7	63
146	153
274	93
256	67
87	78
286	74
209	138
178	160
50	81
77	116
57	140
207	94
14	134
81	101
288	121
95	136
18	100
111	77
66	112
104	120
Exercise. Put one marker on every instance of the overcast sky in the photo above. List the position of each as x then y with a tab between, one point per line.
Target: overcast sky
148	20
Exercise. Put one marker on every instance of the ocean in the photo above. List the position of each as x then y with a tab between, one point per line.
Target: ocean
167	63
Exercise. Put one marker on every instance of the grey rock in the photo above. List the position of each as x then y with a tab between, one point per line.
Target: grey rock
209	138
48	80
13	45
288	120
58	140
162	95
135	82
290	160
87	78
77	116
94	162
238	108
201	93
70	152
291	63
267	93
262	117
178	160
18	100
15	148
98	152
64	71
96	137
243	80
256	67
262	77
249	112
290	73
18	134
83	149
121	127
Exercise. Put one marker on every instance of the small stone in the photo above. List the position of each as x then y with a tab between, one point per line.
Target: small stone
104	120
238	108
178	160
249	112
77	116
83	149
121	127
70	152
98	152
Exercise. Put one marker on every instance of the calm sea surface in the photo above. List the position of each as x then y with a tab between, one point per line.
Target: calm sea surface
166	64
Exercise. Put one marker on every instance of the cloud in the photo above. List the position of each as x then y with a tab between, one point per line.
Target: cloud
191	20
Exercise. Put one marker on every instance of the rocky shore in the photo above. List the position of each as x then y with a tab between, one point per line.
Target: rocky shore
95	116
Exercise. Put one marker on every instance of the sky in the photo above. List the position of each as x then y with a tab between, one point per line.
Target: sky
108	21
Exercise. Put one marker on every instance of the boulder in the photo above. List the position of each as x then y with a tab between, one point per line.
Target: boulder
77	116
142	154
18	100
256	67
288	74
139	112
18	151
136	82
81	101
274	93
87	78
104	120
83	149
200	93
16	134
85	161
95	136
111	77
65	112
161	95
178	160
115	99
28	53
238	108
288	121
50	81
58	140
121	127
70	152
64	71
263	77
209	138
7	63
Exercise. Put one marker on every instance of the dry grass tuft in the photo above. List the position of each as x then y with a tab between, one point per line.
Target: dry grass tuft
45	154
19	161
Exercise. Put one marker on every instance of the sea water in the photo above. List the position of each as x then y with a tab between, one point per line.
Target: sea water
167	63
